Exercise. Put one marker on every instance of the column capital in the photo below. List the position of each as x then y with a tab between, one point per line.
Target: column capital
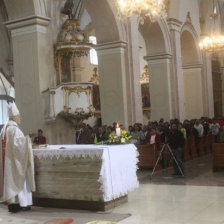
158	58
174	24
111	47
27	25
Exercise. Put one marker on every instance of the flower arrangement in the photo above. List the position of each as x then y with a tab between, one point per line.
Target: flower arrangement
124	138
114	139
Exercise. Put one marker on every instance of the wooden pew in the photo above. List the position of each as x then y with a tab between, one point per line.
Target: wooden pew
204	145
210	141
201	146
148	155
218	155
186	150
192	147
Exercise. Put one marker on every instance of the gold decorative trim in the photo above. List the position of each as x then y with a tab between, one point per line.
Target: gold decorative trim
145	75
72	42
78	90
95	77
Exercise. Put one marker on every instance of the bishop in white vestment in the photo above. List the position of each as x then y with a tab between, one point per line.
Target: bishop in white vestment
16	165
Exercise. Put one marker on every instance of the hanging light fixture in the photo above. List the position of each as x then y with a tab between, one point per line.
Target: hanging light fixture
214	42
154	9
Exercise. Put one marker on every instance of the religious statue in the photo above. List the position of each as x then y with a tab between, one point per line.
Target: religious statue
68	8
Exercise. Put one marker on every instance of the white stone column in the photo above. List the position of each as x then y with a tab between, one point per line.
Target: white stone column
113	83
30	48
177	73
207	82
160	86
134	71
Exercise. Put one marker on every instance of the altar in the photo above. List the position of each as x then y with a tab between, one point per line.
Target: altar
93	177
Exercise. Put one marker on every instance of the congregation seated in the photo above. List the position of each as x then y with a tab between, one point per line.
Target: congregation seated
40	139
101	135
85	136
199	127
138	136
152	137
141	134
187	127
183	130
215	130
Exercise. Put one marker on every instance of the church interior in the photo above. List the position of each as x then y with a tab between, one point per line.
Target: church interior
99	85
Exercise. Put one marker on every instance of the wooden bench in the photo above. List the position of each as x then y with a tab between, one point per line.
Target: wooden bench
186	150
148	155
210	141
201	146
192	147
218	155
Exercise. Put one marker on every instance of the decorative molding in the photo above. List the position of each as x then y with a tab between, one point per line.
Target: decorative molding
174	24
30	20
111	48
158	57
77	89
28	25
27	30
174	21
192	66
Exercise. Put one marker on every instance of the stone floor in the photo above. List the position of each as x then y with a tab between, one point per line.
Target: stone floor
198	198
195	199
198	172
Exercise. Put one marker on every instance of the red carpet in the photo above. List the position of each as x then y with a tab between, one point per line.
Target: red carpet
59	221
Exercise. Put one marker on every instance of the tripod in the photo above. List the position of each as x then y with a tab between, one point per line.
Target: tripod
166	145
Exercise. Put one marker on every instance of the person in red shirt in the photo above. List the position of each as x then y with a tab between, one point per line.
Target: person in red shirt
39	139
220	121
152	137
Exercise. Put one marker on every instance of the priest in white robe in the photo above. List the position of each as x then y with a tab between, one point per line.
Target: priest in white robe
16	165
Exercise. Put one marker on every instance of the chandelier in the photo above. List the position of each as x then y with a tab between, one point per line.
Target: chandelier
214	42
154	9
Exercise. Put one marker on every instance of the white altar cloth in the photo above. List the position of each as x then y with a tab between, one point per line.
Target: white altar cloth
119	164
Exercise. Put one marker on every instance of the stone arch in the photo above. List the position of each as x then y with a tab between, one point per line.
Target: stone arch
108	29
156	36
158	49
103	14
189	45
192	72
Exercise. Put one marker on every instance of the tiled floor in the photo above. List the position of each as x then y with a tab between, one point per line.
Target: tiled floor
198	198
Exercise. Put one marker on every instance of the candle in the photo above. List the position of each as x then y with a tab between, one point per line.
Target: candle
118	130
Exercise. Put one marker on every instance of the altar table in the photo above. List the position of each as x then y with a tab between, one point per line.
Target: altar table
94	177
